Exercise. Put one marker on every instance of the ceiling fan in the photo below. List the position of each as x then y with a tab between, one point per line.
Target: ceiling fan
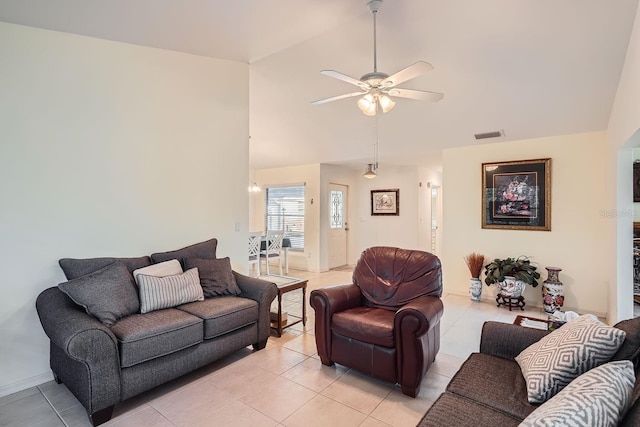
377	88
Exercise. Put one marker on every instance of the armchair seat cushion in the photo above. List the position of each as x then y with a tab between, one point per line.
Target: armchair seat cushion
367	324
143	337
223	314
495	382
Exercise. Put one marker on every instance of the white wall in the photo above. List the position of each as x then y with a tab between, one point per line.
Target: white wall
579	221
623	134
108	149
296	175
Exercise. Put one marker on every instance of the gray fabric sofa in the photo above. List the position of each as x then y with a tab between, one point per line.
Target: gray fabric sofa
103	365
489	389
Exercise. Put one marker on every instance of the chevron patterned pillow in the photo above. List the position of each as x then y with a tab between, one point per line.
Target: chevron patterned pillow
599	397
566	353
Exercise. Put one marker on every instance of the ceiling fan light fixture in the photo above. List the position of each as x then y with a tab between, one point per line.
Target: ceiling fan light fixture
368	104
386	103
369	173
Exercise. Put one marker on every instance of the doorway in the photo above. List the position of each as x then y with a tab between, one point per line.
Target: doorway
338	227
434	246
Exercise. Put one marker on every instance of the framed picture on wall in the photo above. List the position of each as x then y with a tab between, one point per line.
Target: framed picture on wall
385	202
517	195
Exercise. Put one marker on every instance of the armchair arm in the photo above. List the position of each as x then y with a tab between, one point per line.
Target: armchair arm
263	292
417	334
326	302
86	357
506	340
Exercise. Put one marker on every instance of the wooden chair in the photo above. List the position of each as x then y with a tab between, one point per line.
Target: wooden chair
273	249
254	249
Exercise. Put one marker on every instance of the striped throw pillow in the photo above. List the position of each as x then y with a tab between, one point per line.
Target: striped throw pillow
553	362
163	292
598	398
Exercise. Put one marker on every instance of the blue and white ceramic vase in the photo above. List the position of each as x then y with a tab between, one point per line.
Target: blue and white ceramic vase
475	289
511	287
552	291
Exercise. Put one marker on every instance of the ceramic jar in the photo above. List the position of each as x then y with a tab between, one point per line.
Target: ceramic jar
475	289
512	288
552	291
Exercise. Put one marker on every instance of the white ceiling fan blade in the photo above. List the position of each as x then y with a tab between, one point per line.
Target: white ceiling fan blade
335	98
411	72
344	78
421	95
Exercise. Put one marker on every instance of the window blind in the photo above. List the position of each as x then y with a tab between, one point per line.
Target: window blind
285	211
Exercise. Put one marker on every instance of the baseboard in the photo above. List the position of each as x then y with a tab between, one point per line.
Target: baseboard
24	384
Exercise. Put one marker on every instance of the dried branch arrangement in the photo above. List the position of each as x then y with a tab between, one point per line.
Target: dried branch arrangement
475	262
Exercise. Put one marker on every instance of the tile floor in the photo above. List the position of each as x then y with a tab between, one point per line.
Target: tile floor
282	385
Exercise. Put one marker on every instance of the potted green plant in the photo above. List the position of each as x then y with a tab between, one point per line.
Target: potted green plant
511	275
474	262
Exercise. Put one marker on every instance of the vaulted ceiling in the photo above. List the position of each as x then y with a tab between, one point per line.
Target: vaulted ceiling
530	68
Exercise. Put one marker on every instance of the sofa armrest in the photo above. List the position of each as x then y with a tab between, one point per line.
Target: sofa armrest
83	339
506	340
326	302
263	292
417	317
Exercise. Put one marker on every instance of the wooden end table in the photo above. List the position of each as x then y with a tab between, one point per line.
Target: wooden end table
287	284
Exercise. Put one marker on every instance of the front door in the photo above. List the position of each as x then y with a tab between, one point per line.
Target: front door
337	225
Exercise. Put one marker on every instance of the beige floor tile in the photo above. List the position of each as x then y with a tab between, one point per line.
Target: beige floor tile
192	403
279	398
287	335
235	415
241	378
399	410
58	395
276	359
147	417
28	410
322	411
314	375
358	391
373	422
460	341
446	365
76	416
433	385
5	400
303	343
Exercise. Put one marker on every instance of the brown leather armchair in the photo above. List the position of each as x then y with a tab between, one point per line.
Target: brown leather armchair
387	323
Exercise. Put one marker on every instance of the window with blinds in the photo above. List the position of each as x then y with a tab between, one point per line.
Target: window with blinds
285	211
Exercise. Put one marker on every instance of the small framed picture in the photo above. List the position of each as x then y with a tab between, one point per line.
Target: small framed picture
517	195
385	202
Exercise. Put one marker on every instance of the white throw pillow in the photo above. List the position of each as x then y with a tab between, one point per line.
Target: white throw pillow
566	353
162	269
598	398
163	292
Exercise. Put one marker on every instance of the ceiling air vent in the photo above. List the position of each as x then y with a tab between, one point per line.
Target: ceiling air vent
486	135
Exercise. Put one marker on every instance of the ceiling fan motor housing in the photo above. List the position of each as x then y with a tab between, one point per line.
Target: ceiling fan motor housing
373	79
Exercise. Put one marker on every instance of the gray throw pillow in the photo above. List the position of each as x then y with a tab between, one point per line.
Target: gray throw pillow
216	276
169	291
599	397
566	353
199	250
107	294
77	267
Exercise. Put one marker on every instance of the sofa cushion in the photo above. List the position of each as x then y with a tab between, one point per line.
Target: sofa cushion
493	381
566	353
367	324
630	348
216	276
167	268
597	398
143	337
157	293
199	250
451	410
76	267
223	314
107	294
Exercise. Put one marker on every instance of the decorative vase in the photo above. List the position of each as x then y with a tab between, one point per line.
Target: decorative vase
552	291
475	289
512	288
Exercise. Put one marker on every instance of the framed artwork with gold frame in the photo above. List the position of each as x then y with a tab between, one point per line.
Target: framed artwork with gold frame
516	195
